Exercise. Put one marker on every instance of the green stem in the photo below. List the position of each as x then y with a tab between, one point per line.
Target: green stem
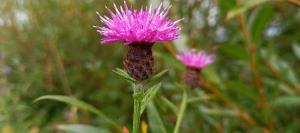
137	98
181	112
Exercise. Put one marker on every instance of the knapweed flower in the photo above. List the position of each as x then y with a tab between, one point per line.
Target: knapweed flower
194	62
139	30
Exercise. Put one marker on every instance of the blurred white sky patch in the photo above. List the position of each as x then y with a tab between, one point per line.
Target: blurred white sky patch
190	2
221	34
205	3
2	21
5	21
21	17
166	2
21	2
156	3
273	30
181	43
212	16
198	19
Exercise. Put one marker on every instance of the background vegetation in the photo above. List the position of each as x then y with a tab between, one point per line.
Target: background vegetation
49	47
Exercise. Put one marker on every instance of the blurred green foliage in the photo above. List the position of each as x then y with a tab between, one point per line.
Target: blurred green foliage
50	47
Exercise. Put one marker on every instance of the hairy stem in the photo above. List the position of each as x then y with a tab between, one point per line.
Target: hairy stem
137	98
181	112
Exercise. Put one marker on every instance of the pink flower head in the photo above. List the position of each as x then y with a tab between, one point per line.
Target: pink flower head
130	25
196	60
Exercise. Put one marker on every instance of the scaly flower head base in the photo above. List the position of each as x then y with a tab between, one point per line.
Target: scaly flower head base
132	26
139	62
191	77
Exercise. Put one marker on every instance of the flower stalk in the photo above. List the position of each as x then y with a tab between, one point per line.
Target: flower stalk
181	112
137	101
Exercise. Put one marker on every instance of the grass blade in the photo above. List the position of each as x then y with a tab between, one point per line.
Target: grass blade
155	122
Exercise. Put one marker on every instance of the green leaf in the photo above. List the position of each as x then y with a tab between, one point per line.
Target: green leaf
242	89
166	102
244	7
287	101
225	6
156	76
155	122
80	128
259	21
124	74
235	51
181	112
148	96
80	104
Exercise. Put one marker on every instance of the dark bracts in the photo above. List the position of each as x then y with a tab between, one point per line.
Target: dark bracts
191	77
139	62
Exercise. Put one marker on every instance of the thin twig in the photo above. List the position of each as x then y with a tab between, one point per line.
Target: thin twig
295	2
243	115
253	63
181	112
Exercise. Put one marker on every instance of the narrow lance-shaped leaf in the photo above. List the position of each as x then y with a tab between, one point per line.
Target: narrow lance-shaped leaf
81	105
124	74
259	21
150	93
156	77
287	101
181	112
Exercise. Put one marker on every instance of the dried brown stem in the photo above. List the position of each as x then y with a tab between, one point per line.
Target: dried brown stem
253	63
243	115
295	2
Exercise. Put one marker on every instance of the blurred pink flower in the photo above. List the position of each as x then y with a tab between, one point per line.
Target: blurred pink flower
195	59
143	26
